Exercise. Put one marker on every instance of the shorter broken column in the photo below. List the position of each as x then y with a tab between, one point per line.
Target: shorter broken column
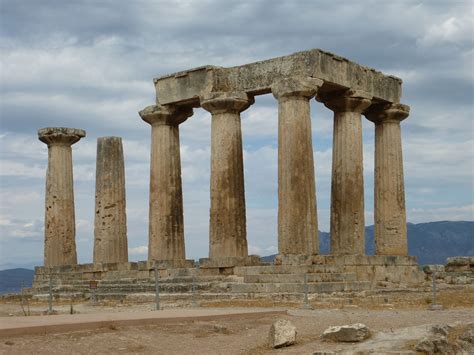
110	226
59	221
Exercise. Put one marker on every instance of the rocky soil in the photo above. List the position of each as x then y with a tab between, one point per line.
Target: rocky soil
394	330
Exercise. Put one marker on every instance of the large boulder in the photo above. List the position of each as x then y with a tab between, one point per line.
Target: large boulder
282	333
347	333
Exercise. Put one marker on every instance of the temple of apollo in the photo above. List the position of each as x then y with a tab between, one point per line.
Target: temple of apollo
351	91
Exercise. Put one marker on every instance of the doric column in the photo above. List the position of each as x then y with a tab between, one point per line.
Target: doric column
297	215
110	226
347	185
166	228
59	222
227	229
389	196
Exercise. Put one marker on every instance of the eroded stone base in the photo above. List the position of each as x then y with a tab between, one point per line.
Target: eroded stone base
232	277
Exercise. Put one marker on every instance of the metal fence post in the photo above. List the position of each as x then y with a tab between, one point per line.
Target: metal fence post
434	306
50	298
306	304
195	274
157	286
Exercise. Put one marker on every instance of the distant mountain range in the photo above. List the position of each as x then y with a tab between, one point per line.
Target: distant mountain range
12	280
431	243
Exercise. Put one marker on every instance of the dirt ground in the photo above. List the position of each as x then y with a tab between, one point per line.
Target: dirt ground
396	318
232	336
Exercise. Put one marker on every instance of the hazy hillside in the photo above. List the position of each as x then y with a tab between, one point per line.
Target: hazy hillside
431	242
12	279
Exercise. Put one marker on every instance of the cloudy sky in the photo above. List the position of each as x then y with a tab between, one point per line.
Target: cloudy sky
90	64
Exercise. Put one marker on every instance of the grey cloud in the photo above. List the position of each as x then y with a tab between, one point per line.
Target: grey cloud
89	64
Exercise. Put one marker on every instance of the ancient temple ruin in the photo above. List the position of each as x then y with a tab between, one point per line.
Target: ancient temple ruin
350	90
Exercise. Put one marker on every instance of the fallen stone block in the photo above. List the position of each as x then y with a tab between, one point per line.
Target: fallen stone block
437	344
441	329
347	333
282	333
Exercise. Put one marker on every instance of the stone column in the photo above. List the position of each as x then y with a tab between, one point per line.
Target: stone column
347	185
59	222
227	228
389	196
166	229
297	213
110	226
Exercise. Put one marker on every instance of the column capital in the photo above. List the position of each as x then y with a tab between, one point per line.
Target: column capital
157	115
387	112
299	86
346	101
223	102
60	135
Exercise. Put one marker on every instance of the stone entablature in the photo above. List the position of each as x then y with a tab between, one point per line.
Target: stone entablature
337	73
350	91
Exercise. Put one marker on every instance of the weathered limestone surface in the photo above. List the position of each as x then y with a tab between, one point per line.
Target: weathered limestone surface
347	185
166	228
347	333
389	195
110	226
257	78
297	217
60	228
282	333
460	263
228	228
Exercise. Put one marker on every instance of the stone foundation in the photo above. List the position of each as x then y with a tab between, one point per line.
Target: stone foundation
236	278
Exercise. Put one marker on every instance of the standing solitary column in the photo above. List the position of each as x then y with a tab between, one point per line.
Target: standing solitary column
59	221
166	228
110	227
347	186
227	229
297	213
390	213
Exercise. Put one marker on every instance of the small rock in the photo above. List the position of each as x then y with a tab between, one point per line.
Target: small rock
441	329
218	328
347	333
466	339
8	342
282	333
468	335
437	344
435	307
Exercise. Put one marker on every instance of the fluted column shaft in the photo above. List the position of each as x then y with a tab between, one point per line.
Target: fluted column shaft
166	225
297	212
347	185
110	226
389	189
60	228
227	228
